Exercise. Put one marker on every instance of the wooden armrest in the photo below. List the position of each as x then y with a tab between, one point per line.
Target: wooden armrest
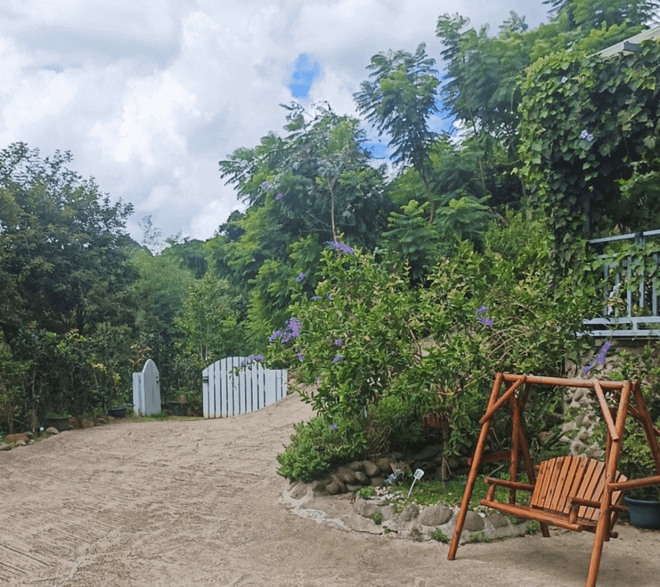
635	483
509	484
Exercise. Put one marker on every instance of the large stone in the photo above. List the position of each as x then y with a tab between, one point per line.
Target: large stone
409	513
473	522
436	515
5	446
370	468
377	481
356	466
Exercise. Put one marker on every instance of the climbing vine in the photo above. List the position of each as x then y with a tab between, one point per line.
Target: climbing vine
589	132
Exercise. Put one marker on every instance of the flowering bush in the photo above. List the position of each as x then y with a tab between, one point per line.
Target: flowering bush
406	352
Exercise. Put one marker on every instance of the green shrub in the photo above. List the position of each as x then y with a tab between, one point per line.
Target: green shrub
383	354
315	446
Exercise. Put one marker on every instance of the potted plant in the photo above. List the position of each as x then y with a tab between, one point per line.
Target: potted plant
58	420
636	462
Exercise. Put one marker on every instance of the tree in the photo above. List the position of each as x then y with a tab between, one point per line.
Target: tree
208	320
314	185
399	102
64	246
593	14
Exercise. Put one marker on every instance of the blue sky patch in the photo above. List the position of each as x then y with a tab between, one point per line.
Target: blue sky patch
305	71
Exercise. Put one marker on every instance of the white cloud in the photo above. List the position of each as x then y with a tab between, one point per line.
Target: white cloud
149	95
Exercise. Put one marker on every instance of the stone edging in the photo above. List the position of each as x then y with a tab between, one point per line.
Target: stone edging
355	514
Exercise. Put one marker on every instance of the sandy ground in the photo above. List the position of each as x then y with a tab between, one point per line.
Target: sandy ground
191	503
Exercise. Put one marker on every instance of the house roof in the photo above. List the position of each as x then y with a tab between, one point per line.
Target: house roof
632	44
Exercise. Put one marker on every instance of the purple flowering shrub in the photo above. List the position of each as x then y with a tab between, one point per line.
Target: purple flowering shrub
384	353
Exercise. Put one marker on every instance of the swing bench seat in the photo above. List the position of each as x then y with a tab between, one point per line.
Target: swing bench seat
568	493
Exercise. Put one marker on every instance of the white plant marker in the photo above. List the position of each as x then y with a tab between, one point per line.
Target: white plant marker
418	474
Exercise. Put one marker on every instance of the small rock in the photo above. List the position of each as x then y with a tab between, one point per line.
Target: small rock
333	488
5	446
87	424
347	476
427	452
473	522
371	469
353	488
384	465
436	515
18	437
388	513
362	478
52	430
317	486
409	512
366	509
298	490
356	466
498	520
20	443
377	481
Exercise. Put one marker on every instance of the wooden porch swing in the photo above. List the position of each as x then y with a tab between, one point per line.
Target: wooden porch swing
575	493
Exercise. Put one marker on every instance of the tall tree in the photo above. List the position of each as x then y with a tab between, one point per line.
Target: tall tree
399	102
63	244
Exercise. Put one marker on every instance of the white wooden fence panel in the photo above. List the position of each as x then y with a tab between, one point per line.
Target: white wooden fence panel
237	385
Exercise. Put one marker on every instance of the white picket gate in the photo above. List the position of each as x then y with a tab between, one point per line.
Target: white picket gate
238	385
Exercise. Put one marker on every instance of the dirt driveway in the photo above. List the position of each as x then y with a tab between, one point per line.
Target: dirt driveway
199	503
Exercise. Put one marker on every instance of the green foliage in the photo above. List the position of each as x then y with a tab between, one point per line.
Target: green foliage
366	492
377	517
588	129
440	536
66	308
315	446
382	354
399	101
208	321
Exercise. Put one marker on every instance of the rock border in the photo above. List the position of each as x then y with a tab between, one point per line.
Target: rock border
348	512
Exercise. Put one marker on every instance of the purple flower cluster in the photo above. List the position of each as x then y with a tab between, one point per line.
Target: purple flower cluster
339	342
481	319
586	135
291	331
338	358
279	196
599	359
300	277
341	247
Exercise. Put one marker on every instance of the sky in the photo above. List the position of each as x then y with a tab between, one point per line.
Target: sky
148	95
